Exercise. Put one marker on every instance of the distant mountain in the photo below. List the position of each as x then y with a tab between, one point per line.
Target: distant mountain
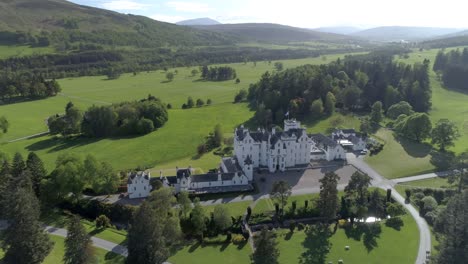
272	33
206	21
64	21
339	30
391	34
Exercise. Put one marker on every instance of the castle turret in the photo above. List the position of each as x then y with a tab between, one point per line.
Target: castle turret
248	167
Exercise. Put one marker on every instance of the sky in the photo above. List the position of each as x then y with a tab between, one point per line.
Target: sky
300	13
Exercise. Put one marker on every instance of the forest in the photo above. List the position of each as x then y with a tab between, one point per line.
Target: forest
355	83
453	65
218	73
122	119
22	86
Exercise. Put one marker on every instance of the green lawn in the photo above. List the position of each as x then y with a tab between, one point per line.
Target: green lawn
236	209
438	182
400	158
391	246
227	253
56	255
268	205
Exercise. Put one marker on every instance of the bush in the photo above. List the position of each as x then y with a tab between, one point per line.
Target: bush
145	126
342	223
300	226
431	217
429	204
103	222
237	239
394	222
202	149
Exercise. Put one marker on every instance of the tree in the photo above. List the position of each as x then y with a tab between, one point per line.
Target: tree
401	108
266	248
24	241
194	72
316	108
102	221
170	76
365	126
330	102
68	176
108	179
240	96
395	209
358	185
190	102
328	199
444	134
351	96
451	224
18	165
155	229
78	244
200	102
377	204
417	126
198	219
279	66
73	117
376	115
38	172
4	125
209	101
185	205
218	135
280	193
222	217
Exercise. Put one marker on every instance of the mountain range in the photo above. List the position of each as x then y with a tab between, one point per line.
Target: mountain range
205	21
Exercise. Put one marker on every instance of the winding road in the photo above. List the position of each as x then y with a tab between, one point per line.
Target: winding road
381	182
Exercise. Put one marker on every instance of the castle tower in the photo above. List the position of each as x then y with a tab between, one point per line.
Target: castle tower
291	124
248	168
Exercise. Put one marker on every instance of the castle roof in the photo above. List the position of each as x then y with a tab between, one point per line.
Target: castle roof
323	140
182	173
136	175
248	160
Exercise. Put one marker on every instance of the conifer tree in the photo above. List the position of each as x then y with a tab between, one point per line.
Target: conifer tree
38	172
18	165
78	244
266	248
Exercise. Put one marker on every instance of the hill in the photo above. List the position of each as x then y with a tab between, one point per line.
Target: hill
446	42
64	22
339	30
206	21
392	34
272	33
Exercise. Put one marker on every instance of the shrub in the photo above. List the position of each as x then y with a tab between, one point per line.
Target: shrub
342	222
103	222
249	210
169	106
202	149
300	226
429	204
394	222
145	126
237	239
431	217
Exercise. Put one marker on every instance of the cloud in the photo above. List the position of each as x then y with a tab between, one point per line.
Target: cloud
189	7
123	5
167	18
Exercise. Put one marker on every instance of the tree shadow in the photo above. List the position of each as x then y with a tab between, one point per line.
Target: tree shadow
413	148
55	144
165	81
288	236
368	233
194	247
317	245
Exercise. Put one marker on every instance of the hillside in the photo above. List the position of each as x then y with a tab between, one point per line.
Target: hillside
198	21
391	34
64	21
272	33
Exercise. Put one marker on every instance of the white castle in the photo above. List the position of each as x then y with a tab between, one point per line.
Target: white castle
272	150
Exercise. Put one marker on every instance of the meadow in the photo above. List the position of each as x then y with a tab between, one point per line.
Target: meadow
56	255
19	51
171	145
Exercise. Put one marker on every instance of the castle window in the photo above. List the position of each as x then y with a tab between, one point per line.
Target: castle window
144	188
134	188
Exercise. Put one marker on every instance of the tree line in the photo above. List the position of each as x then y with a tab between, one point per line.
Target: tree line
218	73
355	83
23	86
123	119
453	65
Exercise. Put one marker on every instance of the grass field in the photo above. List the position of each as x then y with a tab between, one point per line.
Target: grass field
174	144
227	253
445	103
391	246
56	255
400	158
20	51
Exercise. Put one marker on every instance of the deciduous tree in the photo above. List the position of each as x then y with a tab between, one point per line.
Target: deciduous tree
266	248
444	134
328	198
280	193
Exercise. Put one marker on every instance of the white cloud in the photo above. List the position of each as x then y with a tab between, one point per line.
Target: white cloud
167	18
189	7
123	5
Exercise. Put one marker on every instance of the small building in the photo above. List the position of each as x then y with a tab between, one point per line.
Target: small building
350	139
138	184
325	148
